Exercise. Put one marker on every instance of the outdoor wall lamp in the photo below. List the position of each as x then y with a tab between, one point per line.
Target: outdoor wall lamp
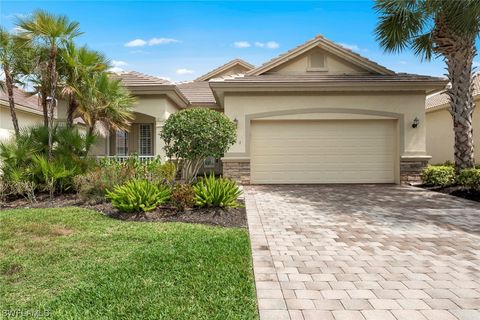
236	122
415	122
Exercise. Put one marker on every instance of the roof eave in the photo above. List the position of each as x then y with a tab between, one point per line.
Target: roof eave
220	87
169	90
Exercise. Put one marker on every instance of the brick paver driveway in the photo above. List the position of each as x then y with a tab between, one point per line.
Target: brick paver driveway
364	252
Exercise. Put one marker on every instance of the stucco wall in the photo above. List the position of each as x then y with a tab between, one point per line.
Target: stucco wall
409	106
440	137
333	64
25	119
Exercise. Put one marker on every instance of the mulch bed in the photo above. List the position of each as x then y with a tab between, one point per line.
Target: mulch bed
457	191
234	217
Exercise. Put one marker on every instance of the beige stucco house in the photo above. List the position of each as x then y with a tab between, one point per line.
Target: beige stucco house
318	113
440	136
29	112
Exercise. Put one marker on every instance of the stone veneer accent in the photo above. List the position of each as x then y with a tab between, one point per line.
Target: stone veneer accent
411	169
237	170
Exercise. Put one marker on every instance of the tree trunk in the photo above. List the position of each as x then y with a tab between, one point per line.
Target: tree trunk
43	97
52	72
11	100
72	107
458	52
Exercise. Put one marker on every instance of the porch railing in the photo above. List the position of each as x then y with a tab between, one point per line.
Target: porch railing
121	159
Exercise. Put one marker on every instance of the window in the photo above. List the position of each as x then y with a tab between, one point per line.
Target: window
209	162
316	61
145	144
122	143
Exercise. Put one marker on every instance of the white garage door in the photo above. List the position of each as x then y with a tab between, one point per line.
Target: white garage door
323	151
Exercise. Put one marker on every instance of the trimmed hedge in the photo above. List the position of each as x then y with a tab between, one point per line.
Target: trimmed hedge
469	178
438	175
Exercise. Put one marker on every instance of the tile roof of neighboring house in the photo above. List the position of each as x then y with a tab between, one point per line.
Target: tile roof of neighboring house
319	40
21	98
235	62
441	99
197	93
137	79
323	78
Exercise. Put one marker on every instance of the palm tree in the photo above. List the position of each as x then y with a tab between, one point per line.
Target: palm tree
52	31
443	28
106	102
13	56
76	65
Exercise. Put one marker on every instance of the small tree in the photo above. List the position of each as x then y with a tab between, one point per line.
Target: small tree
194	134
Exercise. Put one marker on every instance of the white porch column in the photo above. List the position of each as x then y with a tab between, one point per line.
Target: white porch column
159	144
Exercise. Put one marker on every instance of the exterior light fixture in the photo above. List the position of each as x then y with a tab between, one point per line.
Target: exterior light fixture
236	122
415	122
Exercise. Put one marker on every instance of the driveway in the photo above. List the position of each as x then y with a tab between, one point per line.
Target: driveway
374	252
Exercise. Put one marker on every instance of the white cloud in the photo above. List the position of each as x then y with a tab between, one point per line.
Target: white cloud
115	69
272	45
268	44
242	44
353	47
151	42
136	43
184	71
165	78
157	41
118	63
403	62
16	30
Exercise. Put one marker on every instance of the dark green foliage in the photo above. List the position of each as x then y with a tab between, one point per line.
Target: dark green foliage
216	192
138	195
192	135
438	175
24	159
183	196
469	178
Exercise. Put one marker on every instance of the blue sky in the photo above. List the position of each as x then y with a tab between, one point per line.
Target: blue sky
182	40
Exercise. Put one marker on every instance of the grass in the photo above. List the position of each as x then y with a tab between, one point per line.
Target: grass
72	263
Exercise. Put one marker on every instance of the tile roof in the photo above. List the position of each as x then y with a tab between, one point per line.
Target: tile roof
230	64
197	92
442	98
319	39
22	98
137	79
323	78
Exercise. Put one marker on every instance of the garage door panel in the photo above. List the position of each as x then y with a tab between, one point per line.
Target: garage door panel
352	151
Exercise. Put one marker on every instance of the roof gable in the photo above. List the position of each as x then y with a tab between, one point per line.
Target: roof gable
342	57
232	67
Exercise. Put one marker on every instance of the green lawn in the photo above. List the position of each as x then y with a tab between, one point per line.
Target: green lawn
78	264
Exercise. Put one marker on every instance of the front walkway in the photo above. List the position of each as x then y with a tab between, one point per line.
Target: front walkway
364	252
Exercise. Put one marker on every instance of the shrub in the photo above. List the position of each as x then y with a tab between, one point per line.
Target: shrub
438	175
183	196
192	135
469	178
216	192
27	153
138	195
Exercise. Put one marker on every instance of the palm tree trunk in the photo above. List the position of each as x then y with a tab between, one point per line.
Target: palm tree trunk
11	101
52	72
459	52
43	97
72	107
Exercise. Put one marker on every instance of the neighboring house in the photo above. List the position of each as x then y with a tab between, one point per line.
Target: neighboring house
440	136
318	113
29	112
